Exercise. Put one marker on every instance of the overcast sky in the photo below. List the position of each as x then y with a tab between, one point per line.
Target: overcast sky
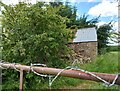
108	9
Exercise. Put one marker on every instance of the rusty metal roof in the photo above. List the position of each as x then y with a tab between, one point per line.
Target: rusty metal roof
86	35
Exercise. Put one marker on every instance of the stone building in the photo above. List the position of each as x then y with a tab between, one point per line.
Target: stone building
85	43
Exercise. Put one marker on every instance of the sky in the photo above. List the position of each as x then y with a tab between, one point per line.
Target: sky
107	9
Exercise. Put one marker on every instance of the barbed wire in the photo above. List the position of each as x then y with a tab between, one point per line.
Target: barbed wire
115	79
42	75
15	67
108	84
43	65
2	62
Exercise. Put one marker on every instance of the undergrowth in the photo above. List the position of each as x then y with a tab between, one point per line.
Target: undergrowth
107	63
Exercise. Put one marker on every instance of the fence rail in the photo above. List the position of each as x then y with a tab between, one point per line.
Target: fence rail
66	73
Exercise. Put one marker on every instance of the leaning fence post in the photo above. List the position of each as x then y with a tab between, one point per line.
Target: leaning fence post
21	80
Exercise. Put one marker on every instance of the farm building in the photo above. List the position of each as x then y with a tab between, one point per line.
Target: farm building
85	43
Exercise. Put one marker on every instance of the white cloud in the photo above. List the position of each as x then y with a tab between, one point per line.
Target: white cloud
105	8
90	0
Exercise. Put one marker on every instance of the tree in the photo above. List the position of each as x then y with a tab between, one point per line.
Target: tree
67	11
83	21
55	4
32	34
71	13
103	33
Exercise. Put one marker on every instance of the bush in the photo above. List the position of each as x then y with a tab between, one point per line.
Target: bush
32	34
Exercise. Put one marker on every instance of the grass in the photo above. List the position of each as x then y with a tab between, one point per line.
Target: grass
107	63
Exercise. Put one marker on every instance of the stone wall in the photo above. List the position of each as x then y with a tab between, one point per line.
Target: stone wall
84	50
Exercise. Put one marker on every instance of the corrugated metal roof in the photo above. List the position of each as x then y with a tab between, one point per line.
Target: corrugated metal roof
86	35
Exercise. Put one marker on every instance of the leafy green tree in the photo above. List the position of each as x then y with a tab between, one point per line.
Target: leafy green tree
83	21
67	11
56	4
32	34
103	33
71	13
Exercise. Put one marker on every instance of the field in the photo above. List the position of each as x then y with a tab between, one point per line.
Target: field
107	63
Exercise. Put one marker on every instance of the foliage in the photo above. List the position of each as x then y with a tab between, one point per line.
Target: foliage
66	11
32	34
37	34
103	35
71	13
105	63
113	48
83	21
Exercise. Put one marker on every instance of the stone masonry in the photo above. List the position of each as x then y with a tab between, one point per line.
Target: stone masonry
85	51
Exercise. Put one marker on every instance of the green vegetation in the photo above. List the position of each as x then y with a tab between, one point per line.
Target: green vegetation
32	34
38	34
113	48
103	33
107	63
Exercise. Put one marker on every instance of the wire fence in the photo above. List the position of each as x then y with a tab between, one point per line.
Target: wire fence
52	78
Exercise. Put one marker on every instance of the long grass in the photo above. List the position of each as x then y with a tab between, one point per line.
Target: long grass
107	63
